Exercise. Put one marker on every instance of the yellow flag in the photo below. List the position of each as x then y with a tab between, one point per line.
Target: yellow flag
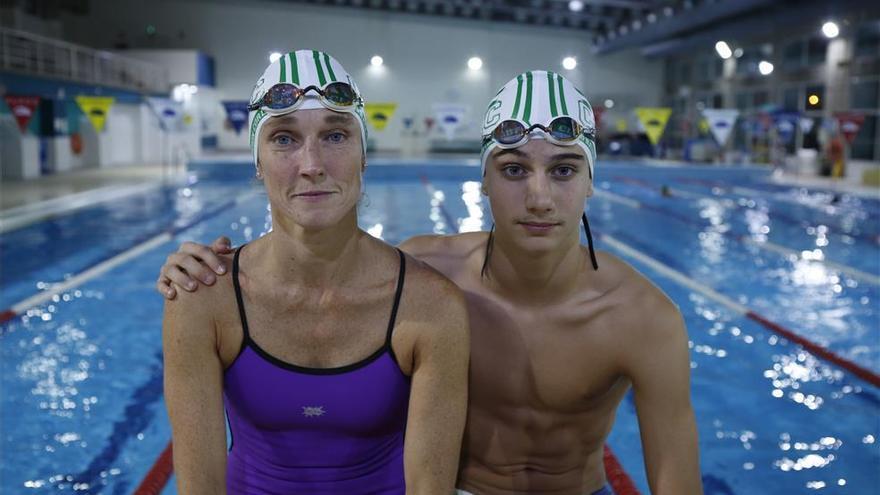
620	125
379	114
654	121
96	109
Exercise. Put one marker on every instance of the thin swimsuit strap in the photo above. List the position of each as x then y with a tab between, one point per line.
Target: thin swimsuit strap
246	337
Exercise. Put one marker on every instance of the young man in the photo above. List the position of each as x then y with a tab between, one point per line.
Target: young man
556	341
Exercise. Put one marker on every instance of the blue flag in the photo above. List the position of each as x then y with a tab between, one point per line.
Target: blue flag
237	113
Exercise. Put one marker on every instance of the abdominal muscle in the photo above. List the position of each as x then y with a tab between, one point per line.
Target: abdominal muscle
533	452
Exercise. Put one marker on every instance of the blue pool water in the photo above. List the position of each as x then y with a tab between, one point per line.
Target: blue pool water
81	404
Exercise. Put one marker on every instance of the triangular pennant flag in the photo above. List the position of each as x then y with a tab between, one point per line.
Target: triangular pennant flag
850	124
721	121
237	113
167	110
654	121
96	109
379	114
806	124
450	116
786	123
23	108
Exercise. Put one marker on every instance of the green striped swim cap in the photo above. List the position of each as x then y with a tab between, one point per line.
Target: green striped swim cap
538	97
302	68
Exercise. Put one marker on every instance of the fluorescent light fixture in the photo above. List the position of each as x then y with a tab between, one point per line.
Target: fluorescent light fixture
273	57
830	29
765	68
376	61
575	5
609	103
569	63
723	50
475	63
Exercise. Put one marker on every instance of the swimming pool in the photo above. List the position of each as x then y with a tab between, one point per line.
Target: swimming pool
81	406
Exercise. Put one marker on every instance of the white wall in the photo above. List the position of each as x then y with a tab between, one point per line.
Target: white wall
425	57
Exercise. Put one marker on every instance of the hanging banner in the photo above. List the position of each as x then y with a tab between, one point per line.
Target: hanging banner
654	121
786	124
721	122
850	124
237	114
96	109
167	110
450	116
379	114
806	124
23	108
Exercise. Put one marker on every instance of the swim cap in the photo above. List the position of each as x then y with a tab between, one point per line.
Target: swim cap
302	68
538	97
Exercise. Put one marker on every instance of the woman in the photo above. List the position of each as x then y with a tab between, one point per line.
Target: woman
324	391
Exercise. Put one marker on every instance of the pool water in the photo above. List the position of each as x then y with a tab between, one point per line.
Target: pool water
81	407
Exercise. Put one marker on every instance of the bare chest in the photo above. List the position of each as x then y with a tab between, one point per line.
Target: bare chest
553	359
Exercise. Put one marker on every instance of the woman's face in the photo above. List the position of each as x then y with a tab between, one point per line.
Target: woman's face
311	161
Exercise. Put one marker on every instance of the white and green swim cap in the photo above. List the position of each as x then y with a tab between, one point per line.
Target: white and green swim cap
302	68
539	97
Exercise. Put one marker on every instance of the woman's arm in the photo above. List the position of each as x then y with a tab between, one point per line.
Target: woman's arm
193	394
438	398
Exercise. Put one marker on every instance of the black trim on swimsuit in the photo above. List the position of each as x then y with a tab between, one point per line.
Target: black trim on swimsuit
248	341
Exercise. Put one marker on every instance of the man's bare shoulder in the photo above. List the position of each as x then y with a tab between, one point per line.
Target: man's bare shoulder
639	306
444	252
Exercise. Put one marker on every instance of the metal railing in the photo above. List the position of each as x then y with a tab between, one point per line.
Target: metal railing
37	55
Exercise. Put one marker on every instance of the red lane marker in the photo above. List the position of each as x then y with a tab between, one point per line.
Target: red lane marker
620	482
158	475
7	315
863	373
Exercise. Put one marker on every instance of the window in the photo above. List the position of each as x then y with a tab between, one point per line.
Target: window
793	55
761	98
748	63
865	94
743	102
868	40
863	146
816	50
791	99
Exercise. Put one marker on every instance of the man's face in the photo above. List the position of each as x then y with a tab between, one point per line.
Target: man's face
537	193
311	162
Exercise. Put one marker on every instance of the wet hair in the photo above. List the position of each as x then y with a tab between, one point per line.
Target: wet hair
484	271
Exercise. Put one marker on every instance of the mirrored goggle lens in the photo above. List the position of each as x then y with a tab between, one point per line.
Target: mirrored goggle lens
281	96
340	94
509	132
565	129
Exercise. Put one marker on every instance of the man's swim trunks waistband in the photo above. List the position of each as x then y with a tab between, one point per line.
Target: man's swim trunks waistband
605	490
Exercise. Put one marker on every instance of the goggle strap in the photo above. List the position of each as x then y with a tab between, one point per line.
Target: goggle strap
590	241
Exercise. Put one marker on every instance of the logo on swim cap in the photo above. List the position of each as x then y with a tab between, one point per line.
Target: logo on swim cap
539	97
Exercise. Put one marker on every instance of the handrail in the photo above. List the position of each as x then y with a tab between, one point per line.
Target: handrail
33	54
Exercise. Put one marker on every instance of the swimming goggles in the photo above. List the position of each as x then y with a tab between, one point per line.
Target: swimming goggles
562	130
285	97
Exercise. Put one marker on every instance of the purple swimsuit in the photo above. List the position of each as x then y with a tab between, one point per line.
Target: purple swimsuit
315	430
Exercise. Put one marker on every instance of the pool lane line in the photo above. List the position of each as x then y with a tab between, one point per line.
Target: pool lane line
617	477
158	475
682	279
852	272
776	214
112	260
22	216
